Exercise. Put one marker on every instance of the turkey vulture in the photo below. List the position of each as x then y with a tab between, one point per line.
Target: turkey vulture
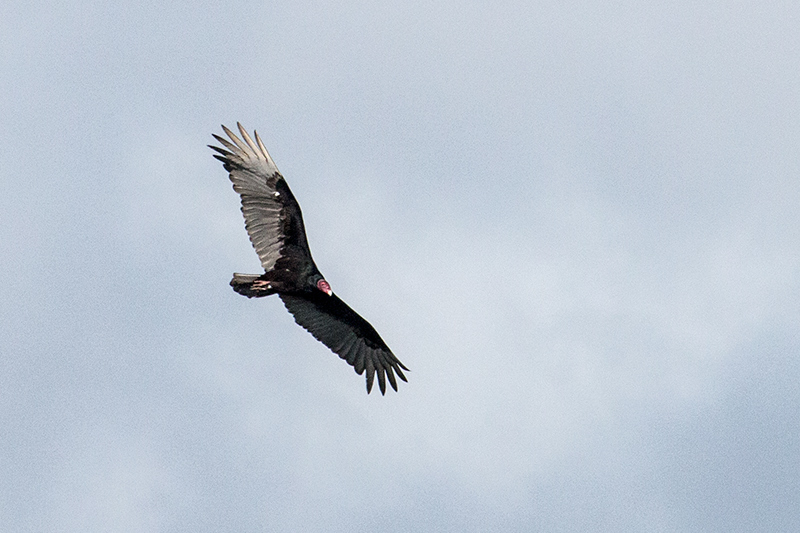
275	225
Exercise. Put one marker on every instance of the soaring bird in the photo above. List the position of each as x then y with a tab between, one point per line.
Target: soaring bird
274	223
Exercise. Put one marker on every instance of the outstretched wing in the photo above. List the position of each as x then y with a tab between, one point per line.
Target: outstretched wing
337	326
272	216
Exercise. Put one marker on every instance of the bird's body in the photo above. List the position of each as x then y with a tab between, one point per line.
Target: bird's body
274	223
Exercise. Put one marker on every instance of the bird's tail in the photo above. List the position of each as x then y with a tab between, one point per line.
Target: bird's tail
251	285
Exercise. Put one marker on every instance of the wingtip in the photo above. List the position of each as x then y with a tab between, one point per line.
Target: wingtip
400	373
392	380
241	129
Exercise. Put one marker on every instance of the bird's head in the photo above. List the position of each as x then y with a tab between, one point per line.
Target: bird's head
324	286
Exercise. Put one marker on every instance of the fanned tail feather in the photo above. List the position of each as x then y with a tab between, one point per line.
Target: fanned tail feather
243	284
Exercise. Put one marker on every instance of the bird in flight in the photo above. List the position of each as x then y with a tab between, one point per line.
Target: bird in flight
274	223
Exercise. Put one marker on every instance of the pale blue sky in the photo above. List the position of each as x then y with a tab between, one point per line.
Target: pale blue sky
576	223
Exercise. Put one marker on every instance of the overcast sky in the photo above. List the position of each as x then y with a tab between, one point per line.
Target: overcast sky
575	222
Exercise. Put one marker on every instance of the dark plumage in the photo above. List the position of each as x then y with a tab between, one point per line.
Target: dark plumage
274	223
